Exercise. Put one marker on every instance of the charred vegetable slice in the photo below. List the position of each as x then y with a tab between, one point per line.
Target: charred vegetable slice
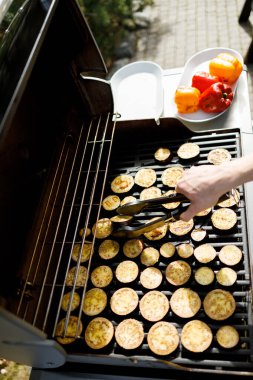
151	278
73	330
185	302
178	272
149	256
122	183
219	304
204	276
163	338
108	249
127	271
154	305
124	301
172	175
224	219
145	177
129	334
94	302
188	151
150	192
205	253
227	336
163	155
111	202
99	333
226	276
230	255
218	156
133	248
185	250
196	336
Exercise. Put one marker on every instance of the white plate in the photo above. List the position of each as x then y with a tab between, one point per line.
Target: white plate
200	62
137	90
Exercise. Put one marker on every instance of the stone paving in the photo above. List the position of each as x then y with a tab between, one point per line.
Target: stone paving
181	28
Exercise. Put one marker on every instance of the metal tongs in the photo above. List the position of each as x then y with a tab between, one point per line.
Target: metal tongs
133	208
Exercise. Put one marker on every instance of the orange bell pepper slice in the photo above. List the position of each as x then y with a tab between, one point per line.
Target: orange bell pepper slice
227	67
187	99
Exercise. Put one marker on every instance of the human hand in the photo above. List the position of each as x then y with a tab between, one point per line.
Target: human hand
202	185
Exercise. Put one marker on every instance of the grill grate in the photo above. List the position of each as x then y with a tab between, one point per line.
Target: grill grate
79	184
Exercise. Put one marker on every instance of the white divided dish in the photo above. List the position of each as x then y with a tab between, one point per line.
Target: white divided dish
200	62
137	90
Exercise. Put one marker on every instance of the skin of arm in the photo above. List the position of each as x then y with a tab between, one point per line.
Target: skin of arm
203	185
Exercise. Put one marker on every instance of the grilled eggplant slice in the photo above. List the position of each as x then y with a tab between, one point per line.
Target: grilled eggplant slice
205	253
218	156
188	151
127	199
86	252
167	250
172	175
108	249
122	183
204	212
111	202
101	276
196	336
219	304
129	334
224	219
127	271
185	303
151	278
163	338
133	248
149	256
80	274
124	301
232	200
230	255
198	235
94	302
227	336
204	276
103	228
145	177
157	233
171	205
121	219
163	155
181	228
226	276
150	192
73	330
185	250
154	305
178	272
66	301
99	333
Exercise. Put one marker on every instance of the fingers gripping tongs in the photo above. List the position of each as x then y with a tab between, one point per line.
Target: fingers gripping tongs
133	208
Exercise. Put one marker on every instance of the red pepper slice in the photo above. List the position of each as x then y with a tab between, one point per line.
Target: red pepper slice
216	98
202	80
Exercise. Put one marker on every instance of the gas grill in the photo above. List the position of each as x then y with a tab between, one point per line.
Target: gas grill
60	150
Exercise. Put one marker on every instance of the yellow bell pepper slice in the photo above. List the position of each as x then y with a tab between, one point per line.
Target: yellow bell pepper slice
187	99
226	66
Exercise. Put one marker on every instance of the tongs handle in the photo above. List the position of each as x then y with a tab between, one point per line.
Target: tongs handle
133	232
135	207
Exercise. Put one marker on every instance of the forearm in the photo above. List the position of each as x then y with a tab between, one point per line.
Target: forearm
240	171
